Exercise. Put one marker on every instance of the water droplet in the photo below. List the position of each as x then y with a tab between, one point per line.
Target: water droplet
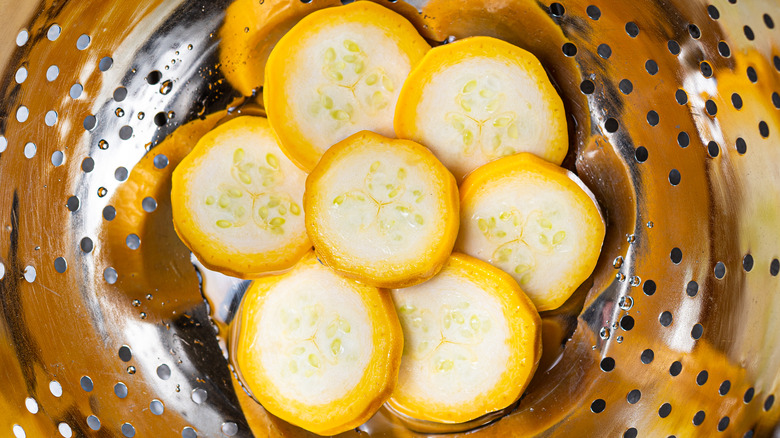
620	277
176	53
635	280
246	30
619	339
604	333
136	303
630	238
131	370
173	61
178	388
189	47
141	115
149	297
166	67
626	303
102	191
650	224
142	315
618	262
171	114
166	86
102	144
119	112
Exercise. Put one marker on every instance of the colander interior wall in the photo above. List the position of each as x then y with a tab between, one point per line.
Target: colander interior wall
674	123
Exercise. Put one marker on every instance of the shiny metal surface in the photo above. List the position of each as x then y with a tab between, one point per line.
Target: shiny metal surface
103	322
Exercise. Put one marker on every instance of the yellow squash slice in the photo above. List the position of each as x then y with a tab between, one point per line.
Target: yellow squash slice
479	99
236	201
472	341
536	221
337	72
382	211
318	350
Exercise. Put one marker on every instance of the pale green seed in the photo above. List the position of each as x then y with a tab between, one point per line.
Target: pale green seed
235	193
344	325
298	351
525	279
545	223
263	213
388	83
512	131
349	58
330	54
457	124
340	115
314	360
272	161
487	94
401	173
277	222
332	328
485	325
447	321
273	202
468	137
466	333
378	100
403	209
505	215
295	209
238	156
482	224
338	200
457	317
502	121
492	106
500	233
470	86
371	79
466	105
543	239
418	219
359	67
374	166
474	322
351	46
210	200
394	192
244	178
519	269
335	347
335	75
282	210
445	365
224	202
223	223
277	230
407	308
326	101
422	347
463	305
240	212
269	181
293	367
496	142
417	193
558	237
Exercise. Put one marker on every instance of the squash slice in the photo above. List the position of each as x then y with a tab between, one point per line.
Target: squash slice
318	350
536	221
478	99
472	341
382	211
236	201
338	72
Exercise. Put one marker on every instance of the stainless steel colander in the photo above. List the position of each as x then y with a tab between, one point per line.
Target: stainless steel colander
674	123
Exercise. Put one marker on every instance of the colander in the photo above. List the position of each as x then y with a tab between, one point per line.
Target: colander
674	115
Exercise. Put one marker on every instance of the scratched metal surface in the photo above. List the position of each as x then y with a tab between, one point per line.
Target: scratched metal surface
674	123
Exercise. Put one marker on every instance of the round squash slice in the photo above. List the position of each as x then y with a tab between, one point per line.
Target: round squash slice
479	99
338	71
382	211
236	201
536	221
472	341
318	350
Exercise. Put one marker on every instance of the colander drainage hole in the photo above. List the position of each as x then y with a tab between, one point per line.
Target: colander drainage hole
156	407
698	419
720	270
749	394
607	364
199	395
88	165
128	430
30	274
160	161
93	422
723	424
633	396
632	29
697	331
713	12
189	432
125	353
65	430
86	384
109	213
120	389
625	86
54	32
19	431
52	73
702	377
769	402
725	387
723	49
647	356
774	267
22	37
665	318
593	12
30	150
229	428
752	75
641	154
86	245
675	368
83	42
674	46
149	204
557	10
76	90
57	158
55	388
664	410
598	406
164	372
31	405
630	433
110	275
2	270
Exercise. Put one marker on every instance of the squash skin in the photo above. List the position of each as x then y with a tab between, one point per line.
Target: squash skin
362	401
281	66
382	275
409	123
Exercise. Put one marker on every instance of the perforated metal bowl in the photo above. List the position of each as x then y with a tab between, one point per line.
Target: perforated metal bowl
675	125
